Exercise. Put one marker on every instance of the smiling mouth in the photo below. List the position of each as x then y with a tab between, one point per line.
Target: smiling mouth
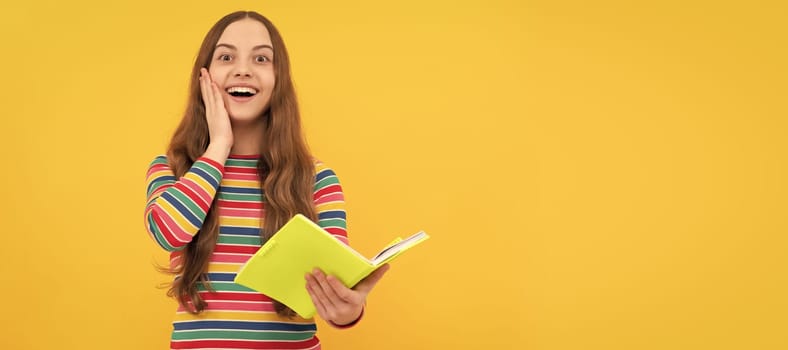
241	91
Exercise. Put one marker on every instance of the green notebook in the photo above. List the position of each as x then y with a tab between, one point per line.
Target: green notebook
278	268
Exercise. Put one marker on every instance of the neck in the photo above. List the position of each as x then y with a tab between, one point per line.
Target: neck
247	137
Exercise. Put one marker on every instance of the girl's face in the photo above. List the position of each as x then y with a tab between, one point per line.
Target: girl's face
242	66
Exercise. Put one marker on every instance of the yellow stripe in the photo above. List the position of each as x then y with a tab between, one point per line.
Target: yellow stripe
201	182
240	316
224	267
241	183
331	206
241	222
176	216
160	173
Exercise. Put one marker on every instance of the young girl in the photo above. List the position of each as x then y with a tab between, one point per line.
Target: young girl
236	170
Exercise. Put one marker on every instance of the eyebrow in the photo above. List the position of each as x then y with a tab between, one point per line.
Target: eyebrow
258	47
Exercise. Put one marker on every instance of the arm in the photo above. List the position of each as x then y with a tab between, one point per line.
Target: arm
330	203
176	209
340	306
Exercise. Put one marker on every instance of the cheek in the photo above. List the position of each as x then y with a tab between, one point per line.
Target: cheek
215	73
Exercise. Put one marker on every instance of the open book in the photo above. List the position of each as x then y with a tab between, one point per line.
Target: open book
278	268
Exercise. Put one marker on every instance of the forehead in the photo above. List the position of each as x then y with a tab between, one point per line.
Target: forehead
245	33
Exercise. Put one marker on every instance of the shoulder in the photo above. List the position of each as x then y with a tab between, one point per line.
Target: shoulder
159	166
159	161
324	175
322	170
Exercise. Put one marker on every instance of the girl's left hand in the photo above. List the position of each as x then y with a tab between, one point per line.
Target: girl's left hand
336	303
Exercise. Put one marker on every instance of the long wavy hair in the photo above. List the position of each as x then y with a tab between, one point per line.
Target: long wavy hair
285	165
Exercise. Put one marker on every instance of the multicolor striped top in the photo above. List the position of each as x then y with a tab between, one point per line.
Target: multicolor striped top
235	317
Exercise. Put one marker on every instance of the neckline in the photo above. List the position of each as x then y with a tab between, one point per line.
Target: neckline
244	156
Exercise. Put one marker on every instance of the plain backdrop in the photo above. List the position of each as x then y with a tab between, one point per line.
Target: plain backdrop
594	174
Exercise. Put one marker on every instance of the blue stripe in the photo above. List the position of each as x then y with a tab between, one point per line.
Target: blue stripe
157	182
245	190
254	326
332	214
221	277
205	175
182	209
324	174
243	231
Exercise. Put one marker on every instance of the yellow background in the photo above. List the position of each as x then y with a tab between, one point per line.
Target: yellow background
594	174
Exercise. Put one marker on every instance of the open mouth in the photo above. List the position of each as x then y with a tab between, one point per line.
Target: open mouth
241	91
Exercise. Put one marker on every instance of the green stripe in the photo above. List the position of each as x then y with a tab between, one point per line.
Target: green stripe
242	163
160	160
246	240
224	287
157	184
189	203
333	223
157	233
209	169
240	197
331	180
241	335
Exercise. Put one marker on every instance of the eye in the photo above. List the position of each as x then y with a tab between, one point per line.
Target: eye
262	59
224	57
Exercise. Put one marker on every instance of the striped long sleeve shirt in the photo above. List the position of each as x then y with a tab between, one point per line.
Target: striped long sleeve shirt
235	317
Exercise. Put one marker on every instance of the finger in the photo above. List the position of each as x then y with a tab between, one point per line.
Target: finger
204	89
366	285
218	101
328	290
318	291
344	293
321	309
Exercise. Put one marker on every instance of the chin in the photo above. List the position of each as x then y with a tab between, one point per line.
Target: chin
245	116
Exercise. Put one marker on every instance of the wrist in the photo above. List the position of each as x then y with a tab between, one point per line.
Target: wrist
351	323
218	151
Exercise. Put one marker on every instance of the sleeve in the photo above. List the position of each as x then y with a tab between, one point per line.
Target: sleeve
176	209
330	202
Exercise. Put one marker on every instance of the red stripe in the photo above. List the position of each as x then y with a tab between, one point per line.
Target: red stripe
236	204
327	190
166	233
214	163
235	296
157	168
336	231
235	249
235	169
193	196
243	156
243	344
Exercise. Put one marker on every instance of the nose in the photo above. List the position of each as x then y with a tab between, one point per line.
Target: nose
242	70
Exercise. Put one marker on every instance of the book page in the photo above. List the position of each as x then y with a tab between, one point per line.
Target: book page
398	247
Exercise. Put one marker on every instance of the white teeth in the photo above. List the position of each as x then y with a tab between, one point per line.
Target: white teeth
241	89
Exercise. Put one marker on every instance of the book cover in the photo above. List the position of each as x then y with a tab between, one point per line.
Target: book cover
277	269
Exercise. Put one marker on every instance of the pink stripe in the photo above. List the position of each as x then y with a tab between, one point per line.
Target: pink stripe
177	232
198	190
241	213
336	197
342	239
157	168
239	306
175	258
230	258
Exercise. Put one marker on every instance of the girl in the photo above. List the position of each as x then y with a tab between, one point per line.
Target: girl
236	170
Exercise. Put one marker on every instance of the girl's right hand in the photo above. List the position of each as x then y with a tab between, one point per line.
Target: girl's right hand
219	128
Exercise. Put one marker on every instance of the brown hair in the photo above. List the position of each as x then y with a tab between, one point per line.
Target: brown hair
286	168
